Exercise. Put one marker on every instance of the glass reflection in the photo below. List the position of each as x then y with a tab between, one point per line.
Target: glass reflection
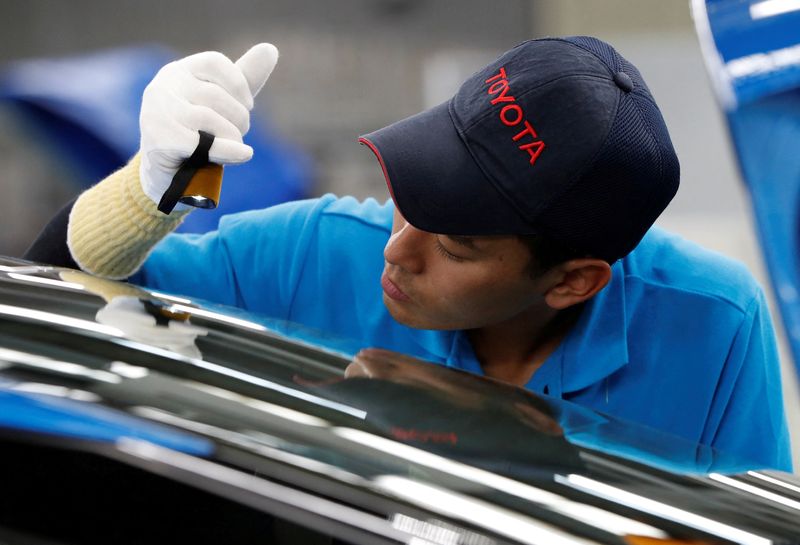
509	431
262	396
156	325
139	319
663	510
474	419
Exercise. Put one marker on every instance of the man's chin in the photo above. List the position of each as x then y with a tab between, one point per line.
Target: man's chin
406	316
400	315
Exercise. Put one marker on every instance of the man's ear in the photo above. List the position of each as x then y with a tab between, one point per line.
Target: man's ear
578	281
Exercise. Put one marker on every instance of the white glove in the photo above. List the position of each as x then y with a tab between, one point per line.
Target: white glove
128	314
207	92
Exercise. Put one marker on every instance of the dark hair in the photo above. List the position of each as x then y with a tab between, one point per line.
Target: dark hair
547	252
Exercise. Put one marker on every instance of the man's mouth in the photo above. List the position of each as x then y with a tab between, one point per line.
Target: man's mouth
391	289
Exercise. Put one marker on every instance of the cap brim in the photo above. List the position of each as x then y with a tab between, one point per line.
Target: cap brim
434	180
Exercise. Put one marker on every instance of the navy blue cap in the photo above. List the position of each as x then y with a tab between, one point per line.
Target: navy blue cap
558	137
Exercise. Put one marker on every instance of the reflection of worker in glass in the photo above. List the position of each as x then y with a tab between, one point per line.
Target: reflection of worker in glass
459	389
139	317
517	242
500	427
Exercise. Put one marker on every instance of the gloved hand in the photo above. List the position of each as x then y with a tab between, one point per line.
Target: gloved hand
207	92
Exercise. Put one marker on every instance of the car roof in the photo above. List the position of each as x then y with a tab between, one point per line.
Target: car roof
210	395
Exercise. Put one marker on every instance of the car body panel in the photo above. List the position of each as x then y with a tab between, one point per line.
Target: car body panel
373	448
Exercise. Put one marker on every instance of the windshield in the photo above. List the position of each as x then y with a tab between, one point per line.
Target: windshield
164	382
180	347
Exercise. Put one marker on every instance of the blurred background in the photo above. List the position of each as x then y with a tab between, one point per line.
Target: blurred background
347	67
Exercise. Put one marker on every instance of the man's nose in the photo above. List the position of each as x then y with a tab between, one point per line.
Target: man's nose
405	249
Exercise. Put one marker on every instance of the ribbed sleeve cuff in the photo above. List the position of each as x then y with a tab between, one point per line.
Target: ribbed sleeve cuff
114	226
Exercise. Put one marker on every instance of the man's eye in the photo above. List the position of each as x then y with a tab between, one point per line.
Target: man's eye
443	251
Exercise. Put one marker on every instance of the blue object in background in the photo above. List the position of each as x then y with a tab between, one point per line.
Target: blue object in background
752	47
752	51
85	109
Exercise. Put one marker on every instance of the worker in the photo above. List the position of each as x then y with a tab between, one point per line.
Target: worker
517	242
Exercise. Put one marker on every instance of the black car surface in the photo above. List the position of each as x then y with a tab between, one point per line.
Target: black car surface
130	416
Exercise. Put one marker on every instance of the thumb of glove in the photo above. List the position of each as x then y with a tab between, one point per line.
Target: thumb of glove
257	64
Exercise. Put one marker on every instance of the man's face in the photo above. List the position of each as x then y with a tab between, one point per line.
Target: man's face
433	281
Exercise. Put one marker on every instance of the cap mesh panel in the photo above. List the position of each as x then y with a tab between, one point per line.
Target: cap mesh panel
607	211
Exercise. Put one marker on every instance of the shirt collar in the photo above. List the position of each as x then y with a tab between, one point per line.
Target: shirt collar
598	344
436	345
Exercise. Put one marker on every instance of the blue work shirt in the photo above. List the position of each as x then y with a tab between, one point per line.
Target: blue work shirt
679	340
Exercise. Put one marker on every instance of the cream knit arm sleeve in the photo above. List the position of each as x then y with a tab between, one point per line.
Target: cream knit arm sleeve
114	226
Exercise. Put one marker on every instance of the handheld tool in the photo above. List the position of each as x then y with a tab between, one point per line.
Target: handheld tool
197	182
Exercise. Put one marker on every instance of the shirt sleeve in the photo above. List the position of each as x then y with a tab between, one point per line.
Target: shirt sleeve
747	414
50	245
252	261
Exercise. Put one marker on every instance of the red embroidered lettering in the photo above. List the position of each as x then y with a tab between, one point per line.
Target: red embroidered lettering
512	115
500	75
502	97
504	115
534	149
528	130
497	86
